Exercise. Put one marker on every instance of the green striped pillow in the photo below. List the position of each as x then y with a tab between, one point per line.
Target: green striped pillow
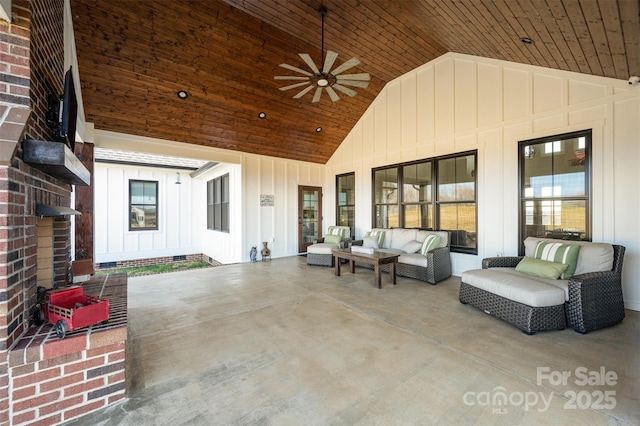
431	242
334	230
560	253
541	268
377	234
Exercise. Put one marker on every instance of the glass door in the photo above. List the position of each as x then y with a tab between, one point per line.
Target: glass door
309	216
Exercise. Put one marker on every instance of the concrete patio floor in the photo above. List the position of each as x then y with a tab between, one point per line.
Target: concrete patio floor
283	343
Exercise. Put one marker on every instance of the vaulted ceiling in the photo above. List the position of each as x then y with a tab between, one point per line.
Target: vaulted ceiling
135	55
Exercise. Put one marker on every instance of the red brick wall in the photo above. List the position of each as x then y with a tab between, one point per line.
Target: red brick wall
46	66
31	68
67	385
14	55
14	81
34	61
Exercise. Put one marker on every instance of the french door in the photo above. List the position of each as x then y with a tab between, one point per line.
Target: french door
309	216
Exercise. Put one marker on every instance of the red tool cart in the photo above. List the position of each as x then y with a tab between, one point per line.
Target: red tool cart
69	308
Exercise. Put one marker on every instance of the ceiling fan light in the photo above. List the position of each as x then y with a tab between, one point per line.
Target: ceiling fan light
327	78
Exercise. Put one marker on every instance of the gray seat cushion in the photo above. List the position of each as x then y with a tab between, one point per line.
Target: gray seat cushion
517	288
415	259
322	248
561	284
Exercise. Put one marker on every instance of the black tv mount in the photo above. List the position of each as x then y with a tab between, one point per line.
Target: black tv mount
53	113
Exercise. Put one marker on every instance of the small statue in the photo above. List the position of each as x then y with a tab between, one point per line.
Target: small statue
266	253
253	254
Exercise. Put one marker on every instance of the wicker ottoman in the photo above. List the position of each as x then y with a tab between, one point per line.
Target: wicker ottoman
528	304
320	254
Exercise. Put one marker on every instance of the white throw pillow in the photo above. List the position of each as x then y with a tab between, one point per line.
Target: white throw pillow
370	242
411	247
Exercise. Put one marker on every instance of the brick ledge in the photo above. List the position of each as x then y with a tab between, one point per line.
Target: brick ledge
41	343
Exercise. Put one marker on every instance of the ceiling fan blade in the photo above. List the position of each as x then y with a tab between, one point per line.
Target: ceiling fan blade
364	76
345	90
305	57
328	62
355	83
296	69
289	77
349	64
294	85
332	94
303	92
316	96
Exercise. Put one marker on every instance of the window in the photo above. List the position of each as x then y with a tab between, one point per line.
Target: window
386	208
346	201
437	193
456	197
218	204
417	205
143	205
554	189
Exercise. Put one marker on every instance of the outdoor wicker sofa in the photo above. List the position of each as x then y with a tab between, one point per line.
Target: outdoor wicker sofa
590	299
431	267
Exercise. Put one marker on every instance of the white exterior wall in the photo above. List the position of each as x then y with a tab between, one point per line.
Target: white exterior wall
459	102
277	225
175	234
225	247
250	224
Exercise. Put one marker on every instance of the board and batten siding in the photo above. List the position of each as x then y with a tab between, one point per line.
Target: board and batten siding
251	224
176	214
225	247
459	102
277	225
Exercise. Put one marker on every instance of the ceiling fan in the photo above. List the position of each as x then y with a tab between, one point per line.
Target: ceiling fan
324	77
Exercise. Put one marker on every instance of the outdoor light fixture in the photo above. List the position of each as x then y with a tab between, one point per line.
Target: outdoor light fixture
178	178
325	76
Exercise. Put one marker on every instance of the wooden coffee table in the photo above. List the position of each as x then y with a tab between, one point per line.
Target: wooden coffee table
376	259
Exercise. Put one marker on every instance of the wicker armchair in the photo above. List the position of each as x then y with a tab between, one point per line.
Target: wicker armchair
319	253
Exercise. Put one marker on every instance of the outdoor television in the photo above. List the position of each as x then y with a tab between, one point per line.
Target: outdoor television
64	113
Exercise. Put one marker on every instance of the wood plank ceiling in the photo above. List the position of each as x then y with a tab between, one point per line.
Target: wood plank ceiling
135	55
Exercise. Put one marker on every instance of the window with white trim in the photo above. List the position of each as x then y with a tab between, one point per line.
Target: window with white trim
143	205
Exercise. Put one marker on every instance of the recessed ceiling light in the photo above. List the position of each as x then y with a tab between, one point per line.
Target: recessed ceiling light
318	129
262	115
182	94
526	40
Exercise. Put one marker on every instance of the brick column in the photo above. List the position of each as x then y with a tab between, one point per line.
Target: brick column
14	113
